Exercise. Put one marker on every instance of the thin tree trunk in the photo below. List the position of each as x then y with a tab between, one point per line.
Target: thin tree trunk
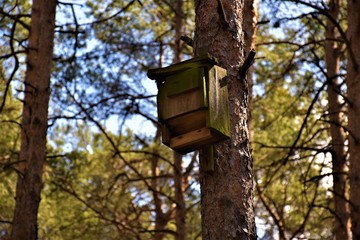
332	57
160	217
227	192
180	213
34	120
178	22
278	220
353	88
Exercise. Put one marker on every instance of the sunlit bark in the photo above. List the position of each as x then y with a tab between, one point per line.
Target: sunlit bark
227	192
34	120
353	90
332	57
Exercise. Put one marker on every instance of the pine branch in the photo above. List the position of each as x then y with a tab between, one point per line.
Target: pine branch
187	40
247	63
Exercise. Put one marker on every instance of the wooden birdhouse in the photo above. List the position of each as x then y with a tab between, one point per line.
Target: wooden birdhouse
193	106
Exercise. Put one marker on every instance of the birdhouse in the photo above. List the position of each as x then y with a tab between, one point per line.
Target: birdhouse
193	105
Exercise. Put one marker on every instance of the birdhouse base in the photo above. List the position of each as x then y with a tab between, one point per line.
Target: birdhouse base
191	138
189	141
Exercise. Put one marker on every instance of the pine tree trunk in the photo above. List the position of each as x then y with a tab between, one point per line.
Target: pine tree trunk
178	25
250	14
180	210
332	57
34	120
353	88
227	192
180	213
161	218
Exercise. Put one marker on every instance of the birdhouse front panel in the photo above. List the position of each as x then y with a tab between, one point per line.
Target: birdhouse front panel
182	93
192	103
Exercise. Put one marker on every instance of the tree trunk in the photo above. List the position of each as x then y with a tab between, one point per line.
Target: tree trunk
34	120
250	14
227	192
161	219
180	213
178	24
332	58
353	88
180	210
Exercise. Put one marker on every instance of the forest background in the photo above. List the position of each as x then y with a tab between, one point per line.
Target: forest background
106	174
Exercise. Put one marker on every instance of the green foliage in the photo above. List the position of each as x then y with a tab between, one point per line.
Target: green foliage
97	185
91	192
9	148
291	141
13	25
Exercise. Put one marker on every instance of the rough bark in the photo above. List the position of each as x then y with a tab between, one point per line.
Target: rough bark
34	120
353	89
178	23
332	58
227	192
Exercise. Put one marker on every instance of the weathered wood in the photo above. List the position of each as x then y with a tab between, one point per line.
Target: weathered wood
179	104
218	112
192	101
188	122
197	62
197	139
184	81
184	141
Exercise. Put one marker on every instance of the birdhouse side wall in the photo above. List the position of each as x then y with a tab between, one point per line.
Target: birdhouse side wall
218	112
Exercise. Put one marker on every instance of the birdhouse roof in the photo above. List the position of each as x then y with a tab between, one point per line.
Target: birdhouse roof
197	62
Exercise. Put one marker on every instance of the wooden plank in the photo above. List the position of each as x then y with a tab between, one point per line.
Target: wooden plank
180	104
218	117
191	139
195	140
201	61
183	82
187	122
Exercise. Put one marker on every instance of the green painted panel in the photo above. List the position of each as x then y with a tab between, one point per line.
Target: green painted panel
176	80
183	81
181	93
159	74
